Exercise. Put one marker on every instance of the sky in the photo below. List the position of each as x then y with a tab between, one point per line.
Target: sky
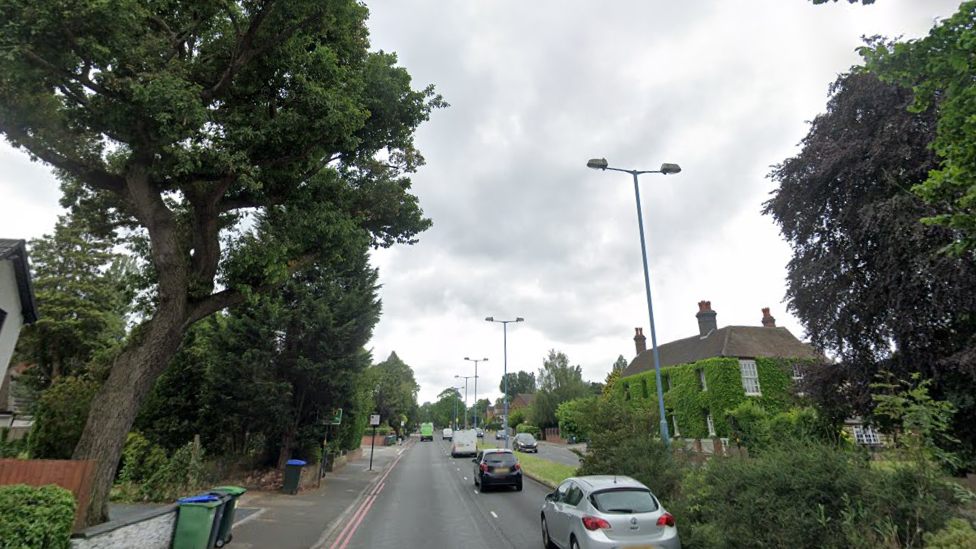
724	88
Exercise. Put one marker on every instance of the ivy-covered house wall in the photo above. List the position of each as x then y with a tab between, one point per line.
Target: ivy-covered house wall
688	403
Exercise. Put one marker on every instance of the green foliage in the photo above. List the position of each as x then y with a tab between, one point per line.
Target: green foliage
141	459
519	383
152	474
957	534
83	295
925	421
689	404
11	448
558	382
531	429
395	388
36	518
938	69
60	415
574	415
518	417
758	430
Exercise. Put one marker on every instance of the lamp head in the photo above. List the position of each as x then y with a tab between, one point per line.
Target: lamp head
597	163
519	319
466	358
490	319
670	168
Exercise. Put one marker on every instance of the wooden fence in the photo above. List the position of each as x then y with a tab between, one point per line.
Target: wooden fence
75	476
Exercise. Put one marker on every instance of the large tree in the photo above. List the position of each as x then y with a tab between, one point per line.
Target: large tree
939	70
394	390
558	383
870	282
519	383
176	125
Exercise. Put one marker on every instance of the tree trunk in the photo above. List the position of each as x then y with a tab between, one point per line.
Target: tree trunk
287	441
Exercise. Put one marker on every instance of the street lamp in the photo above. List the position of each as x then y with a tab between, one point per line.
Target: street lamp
476	361
505	324
601	164
466	378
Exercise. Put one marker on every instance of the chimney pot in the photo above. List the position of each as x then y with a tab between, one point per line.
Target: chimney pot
767	320
640	342
707	322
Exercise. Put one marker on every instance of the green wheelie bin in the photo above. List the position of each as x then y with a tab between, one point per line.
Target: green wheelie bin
195	521
223	530
293	474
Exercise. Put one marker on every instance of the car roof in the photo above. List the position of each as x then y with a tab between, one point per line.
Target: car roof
498	451
602	482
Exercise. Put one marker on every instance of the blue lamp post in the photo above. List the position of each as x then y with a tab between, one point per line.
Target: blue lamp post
601	164
505	324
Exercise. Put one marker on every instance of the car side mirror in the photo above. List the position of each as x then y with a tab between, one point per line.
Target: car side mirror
475	460
550	497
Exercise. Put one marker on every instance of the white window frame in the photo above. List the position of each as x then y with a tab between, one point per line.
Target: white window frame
674	420
701	377
866	435
711	424
750	377
797	373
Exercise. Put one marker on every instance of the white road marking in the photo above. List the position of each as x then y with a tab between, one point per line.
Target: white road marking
493	514
465	478
476	491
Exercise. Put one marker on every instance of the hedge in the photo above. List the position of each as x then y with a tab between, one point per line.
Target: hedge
685	400
36	518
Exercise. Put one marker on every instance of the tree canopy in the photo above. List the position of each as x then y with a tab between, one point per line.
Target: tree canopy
867	279
519	383
558	383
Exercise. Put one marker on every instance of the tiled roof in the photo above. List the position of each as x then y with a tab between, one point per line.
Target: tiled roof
16	252
730	341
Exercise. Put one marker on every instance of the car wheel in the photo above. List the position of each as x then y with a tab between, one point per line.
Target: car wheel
519	486
546	540
573	544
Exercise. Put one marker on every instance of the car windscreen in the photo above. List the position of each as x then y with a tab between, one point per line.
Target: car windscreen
624	501
499	458
526	438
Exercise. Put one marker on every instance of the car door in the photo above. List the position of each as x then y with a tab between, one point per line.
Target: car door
477	465
572	512
558	523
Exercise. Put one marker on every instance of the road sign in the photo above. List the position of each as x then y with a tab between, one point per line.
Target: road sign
336	417
374	420
402	423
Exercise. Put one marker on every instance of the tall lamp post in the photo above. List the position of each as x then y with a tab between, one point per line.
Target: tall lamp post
476	361
465	378
601	164
505	324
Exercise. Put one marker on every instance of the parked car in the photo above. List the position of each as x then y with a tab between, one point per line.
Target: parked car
525	442
447	434
603	512
497	467
500	434
465	443
480	433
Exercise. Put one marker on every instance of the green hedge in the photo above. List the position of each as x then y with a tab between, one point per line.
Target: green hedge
36	518
686	400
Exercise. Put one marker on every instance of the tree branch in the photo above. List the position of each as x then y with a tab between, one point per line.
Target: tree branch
243	54
96	177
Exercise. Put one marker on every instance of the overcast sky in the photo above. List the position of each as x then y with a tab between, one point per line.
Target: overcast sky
522	228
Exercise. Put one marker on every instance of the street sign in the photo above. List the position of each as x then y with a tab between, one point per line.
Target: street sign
374	420
402	423
336	417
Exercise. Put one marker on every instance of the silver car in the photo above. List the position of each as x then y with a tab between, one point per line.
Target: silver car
606	512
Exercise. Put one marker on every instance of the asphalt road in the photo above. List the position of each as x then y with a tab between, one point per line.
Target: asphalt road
429	501
552	452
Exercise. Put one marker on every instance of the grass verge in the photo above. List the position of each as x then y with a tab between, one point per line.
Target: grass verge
547	472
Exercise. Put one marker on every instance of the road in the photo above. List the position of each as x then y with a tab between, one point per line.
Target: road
428	500
552	452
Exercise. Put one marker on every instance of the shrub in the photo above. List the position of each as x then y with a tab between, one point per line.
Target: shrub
531	429
957	534
11	448
60	417
36	518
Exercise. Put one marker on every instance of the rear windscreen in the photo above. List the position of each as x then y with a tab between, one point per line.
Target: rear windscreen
499	458
624	501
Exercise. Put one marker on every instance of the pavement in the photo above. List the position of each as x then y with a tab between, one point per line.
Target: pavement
304	521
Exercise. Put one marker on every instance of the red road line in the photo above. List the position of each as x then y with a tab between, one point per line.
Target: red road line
363	509
356	527
362	506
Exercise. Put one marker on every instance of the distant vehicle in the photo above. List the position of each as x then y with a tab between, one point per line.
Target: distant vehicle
447	434
480	432
602	512
525	442
465	443
497	467
500	434
427	432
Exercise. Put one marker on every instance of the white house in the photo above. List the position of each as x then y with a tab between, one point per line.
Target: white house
17	303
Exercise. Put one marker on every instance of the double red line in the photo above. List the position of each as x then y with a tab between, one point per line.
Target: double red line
350	530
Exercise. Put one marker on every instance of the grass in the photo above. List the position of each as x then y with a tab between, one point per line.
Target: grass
547	472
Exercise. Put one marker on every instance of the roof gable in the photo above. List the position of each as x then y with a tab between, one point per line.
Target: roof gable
730	341
15	251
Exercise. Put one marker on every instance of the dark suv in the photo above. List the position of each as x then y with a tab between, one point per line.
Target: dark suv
524	442
497	467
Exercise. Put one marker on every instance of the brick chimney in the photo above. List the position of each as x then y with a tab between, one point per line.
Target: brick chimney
706	318
640	342
767	320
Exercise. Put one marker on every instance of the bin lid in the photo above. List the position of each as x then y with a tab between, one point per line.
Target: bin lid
206	500
295	462
232	490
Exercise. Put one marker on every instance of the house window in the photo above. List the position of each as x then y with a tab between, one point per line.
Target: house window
677	432
626	391
797	373
644	388
750	377
701	376
864	434
711	424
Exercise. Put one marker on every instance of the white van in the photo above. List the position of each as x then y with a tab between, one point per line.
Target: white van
465	443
